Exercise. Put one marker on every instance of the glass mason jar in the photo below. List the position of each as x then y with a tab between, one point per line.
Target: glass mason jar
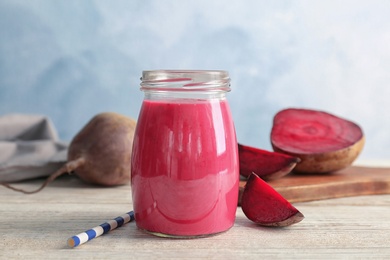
184	168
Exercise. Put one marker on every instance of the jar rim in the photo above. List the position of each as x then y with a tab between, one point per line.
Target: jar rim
185	80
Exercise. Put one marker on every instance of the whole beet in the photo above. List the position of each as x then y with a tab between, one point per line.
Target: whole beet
102	150
100	153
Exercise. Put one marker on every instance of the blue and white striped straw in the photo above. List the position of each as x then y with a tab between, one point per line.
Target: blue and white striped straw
100	230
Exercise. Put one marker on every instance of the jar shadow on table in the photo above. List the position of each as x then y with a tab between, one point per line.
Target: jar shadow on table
136	234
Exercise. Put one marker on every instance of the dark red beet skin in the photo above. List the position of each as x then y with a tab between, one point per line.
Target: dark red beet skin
103	147
265	206
267	165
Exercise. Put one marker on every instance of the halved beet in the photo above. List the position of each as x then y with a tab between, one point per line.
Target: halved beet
265	206
267	165
323	142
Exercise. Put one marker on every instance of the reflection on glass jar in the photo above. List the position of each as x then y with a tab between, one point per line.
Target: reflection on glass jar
185	161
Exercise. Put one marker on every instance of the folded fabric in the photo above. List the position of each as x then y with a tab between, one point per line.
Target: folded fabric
29	147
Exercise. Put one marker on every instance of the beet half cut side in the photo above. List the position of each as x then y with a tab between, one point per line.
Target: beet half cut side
265	206
323	142
266	164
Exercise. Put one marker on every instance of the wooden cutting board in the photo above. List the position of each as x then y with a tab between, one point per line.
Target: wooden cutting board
352	181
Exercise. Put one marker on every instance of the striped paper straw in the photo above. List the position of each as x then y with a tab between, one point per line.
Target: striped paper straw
100	230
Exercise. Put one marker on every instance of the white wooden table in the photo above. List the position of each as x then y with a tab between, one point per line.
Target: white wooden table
37	227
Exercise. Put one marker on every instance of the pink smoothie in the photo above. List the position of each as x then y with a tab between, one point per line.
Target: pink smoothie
185	167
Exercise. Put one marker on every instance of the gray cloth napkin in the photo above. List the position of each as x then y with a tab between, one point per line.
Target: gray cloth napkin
29	147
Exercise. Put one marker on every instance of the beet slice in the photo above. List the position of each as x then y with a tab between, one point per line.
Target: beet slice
324	142
265	206
266	164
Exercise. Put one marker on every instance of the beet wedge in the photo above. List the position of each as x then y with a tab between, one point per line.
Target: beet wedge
265	206
266	164
324	142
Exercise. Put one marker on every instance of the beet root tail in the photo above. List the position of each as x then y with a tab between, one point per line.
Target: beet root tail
66	168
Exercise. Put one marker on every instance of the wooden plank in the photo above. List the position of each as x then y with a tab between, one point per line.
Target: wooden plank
37	226
352	181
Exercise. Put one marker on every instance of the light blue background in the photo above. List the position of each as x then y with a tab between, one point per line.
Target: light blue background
71	59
